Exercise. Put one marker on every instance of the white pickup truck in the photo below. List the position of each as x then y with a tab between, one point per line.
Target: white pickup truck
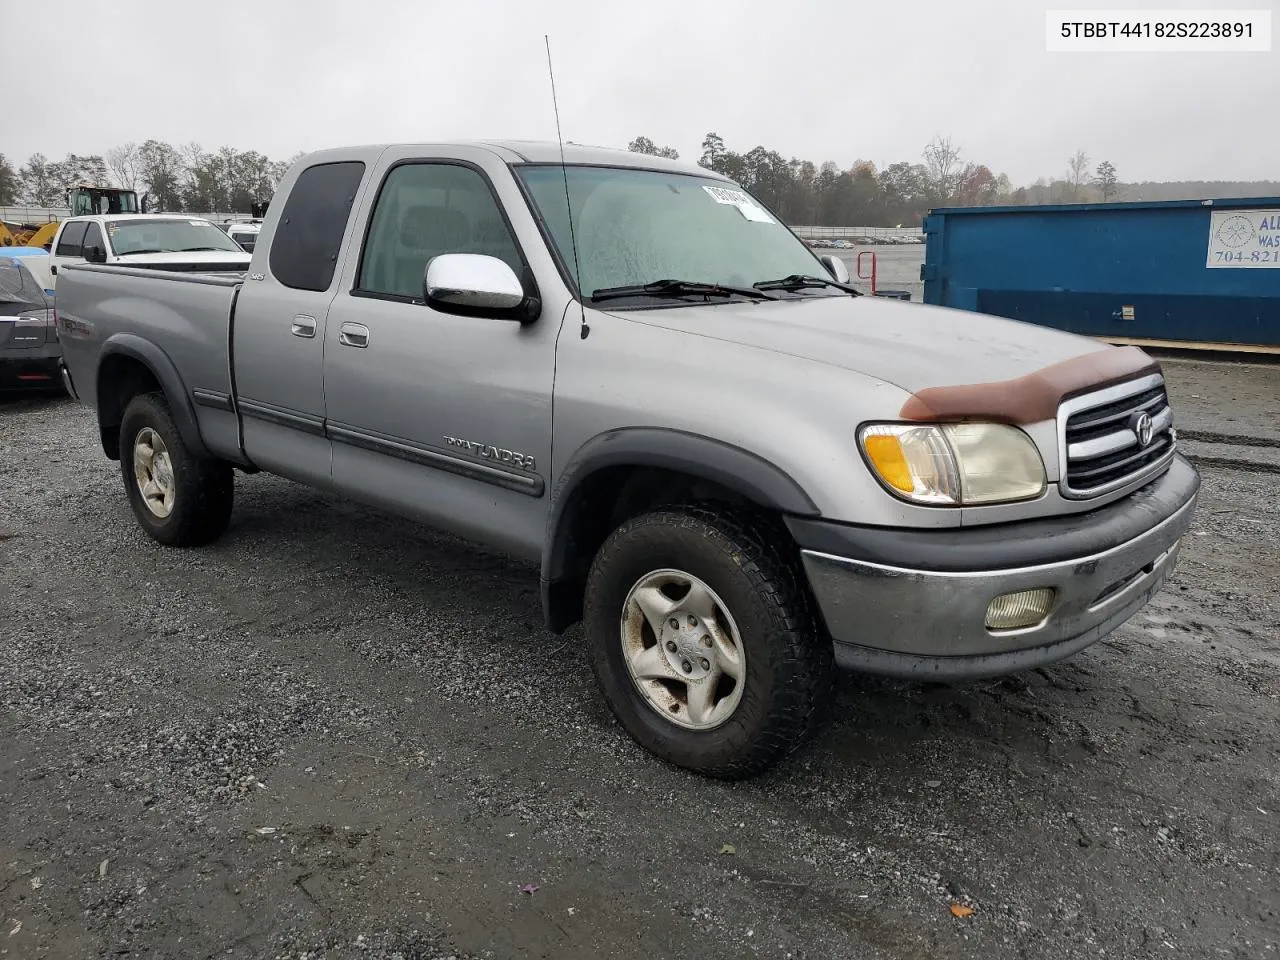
157	241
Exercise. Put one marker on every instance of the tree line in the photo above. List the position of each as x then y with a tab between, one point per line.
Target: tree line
805	193
185	178
192	179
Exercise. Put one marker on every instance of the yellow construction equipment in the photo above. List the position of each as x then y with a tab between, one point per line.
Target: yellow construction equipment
83	200
27	234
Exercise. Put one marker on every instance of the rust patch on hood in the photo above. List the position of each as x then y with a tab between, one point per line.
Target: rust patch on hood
1030	398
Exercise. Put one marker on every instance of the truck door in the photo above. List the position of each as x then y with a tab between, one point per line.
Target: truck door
68	246
446	418
278	332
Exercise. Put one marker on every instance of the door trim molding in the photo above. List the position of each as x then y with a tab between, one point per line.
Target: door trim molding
212	398
530	484
281	416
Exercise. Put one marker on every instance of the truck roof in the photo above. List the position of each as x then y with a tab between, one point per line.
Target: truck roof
113	217
539	151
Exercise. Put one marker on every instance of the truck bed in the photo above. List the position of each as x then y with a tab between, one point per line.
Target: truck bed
187	315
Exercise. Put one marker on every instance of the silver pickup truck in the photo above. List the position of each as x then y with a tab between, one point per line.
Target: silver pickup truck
736	472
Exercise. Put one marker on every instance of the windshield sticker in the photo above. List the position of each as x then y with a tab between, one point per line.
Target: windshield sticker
724	195
736	198
752	212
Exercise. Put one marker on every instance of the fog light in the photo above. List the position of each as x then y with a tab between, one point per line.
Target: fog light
1025	608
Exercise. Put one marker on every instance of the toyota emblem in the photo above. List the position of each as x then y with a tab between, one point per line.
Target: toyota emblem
1143	427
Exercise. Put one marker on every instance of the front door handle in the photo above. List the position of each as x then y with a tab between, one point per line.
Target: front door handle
353	335
303	326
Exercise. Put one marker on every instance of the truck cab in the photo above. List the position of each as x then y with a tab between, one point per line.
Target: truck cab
84	200
244	232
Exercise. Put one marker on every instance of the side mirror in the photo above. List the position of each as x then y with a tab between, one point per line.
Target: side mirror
836	267
95	254
470	283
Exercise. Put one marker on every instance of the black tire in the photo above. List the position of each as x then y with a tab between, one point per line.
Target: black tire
203	489
747	561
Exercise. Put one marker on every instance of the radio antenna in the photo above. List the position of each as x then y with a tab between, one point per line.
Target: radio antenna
573	239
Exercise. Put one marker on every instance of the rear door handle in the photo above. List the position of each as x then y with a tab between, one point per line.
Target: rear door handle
303	326
353	335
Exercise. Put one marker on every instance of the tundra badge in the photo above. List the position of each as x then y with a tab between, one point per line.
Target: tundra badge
520	461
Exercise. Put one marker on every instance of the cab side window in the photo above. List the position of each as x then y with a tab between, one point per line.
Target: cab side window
424	210
71	243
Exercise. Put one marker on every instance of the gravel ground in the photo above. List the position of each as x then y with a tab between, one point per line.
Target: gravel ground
334	734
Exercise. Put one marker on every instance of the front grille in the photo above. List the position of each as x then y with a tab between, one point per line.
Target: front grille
1100	443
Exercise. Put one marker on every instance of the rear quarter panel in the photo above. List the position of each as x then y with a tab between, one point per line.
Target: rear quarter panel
185	316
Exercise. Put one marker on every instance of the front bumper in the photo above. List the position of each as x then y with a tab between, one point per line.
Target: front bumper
911	603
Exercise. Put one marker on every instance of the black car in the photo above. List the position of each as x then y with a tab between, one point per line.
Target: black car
29	348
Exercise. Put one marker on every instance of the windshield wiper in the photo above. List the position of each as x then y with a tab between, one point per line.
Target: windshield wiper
209	249
678	288
800	281
130	253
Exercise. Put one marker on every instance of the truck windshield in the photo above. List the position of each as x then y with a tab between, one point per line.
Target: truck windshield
146	235
635	227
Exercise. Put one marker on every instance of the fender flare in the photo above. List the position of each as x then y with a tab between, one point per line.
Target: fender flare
747	473
166	372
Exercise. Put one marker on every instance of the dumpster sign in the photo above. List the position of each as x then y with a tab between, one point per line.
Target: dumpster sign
1244	238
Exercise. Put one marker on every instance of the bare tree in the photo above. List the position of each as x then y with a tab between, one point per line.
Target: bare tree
942	160
123	162
1077	173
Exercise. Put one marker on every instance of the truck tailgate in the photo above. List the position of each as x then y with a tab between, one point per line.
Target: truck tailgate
186	315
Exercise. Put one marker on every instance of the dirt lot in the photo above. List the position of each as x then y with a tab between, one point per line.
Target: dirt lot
337	735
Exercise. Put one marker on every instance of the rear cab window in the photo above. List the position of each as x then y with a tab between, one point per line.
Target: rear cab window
308	238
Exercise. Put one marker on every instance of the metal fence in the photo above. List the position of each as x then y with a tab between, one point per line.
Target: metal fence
46	214
33	214
218	217
848	233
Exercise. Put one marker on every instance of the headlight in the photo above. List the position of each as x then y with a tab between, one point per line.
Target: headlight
958	464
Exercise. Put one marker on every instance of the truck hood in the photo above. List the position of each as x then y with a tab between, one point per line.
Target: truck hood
911	345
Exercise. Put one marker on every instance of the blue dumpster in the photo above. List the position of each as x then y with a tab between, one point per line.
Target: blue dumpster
1177	273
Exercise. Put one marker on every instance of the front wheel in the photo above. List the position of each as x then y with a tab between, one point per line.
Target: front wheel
179	499
704	640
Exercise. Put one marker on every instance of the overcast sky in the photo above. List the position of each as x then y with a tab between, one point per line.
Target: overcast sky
826	81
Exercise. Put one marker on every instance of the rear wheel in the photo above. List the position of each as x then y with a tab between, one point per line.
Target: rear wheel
704	641
178	498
